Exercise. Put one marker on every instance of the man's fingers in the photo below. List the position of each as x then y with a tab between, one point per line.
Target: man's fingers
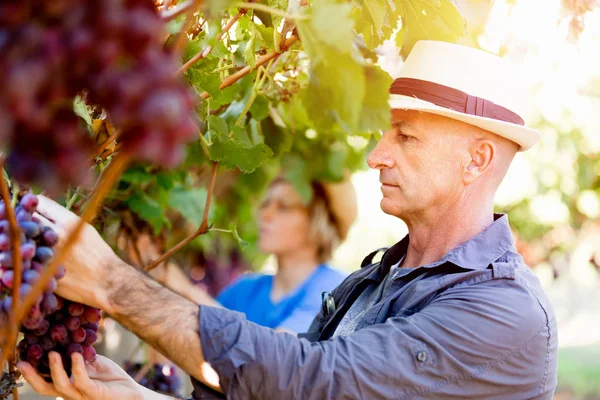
36	381
61	381
55	212
80	375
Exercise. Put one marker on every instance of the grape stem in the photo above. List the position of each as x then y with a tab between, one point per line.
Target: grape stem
205	52
231	79
15	240
108	179
174	12
182	35
104	145
202	229
271	10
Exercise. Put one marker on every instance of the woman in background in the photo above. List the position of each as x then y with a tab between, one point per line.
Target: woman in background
302	238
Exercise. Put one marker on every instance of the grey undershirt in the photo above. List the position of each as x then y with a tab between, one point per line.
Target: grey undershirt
367	299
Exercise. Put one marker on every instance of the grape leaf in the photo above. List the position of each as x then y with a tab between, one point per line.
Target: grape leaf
147	209
231	152
281	5
375	113
328	30
189	203
266	35
249	50
375	20
217	124
297	173
137	176
80	109
278	139
260	108
431	20
335	93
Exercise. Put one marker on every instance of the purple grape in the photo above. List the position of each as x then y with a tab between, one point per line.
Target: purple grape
76	309
27	251
47	343
89	353
35	352
90	337
43	254
59	333
7	278
31	276
29	202
49	303
74	348
72	323
92	315
78	335
4	242
50	237
30	228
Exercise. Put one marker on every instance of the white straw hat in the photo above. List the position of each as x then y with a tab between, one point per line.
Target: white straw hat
465	84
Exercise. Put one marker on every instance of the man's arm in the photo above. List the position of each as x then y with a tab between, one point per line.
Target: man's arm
160	317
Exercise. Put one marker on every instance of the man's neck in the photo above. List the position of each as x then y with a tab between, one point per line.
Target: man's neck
434	236
292	270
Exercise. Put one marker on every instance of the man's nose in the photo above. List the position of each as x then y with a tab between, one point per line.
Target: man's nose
380	157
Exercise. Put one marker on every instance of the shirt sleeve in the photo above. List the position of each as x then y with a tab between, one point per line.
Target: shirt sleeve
495	336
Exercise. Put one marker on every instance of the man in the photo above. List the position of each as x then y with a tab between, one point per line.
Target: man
450	311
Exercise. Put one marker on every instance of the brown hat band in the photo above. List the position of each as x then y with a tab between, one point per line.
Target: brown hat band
453	99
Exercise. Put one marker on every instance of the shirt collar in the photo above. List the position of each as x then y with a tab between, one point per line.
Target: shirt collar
476	253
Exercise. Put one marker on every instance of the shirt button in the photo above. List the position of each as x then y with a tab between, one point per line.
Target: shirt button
422	356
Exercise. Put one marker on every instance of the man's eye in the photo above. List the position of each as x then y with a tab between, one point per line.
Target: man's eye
404	138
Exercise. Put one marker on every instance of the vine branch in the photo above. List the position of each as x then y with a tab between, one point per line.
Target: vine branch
231	79
202	229
15	240
209	49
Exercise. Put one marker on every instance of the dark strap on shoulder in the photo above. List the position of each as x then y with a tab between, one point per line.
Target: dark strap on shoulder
369	259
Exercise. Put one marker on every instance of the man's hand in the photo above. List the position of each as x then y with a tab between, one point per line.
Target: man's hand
89	260
100	380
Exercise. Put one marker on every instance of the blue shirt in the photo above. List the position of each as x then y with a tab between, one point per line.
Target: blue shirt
475	324
251	295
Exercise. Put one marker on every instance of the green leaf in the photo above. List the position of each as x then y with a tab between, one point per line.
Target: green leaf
281	5
335	93
147	209
375	114
137	176
375	20
431	20
249	50
80	109
241	242
329	30
297	173
165	180
231	152
266	35
220	50
189	202
401	36
175	25
278	139
217	124
260	108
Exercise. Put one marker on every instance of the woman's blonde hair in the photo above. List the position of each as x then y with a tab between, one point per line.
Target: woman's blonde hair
323	227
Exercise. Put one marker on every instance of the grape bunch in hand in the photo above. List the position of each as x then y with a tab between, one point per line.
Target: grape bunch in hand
52	322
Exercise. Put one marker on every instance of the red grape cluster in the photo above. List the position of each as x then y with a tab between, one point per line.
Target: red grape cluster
71	329
112	52
52	323
160	378
36	251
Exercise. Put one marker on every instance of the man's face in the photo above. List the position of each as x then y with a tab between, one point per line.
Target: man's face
421	160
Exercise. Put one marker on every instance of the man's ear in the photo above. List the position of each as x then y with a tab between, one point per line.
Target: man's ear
482	153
